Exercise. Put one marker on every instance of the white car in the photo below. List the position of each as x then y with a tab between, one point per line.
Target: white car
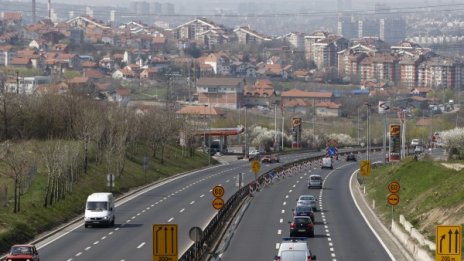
415	142
294	249
327	163
315	181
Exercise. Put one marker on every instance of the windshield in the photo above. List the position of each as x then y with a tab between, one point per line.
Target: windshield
97	205
307	198
316	178
303	209
294	255
21	250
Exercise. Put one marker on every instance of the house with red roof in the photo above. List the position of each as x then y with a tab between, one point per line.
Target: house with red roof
328	109
220	92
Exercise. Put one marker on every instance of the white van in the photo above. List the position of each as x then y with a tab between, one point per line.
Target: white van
294	249
99	209
326	163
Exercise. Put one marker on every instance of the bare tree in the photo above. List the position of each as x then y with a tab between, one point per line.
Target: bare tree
18	164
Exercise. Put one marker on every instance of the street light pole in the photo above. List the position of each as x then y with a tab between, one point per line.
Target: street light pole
368	145
275	126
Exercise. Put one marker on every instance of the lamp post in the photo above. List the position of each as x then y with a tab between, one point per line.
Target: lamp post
368	141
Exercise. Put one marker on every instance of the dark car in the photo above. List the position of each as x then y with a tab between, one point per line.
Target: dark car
23	252
301	226
304	211
351	157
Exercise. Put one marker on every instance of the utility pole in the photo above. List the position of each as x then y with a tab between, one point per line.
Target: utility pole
282	145
246	134
17	82
275	126
368	142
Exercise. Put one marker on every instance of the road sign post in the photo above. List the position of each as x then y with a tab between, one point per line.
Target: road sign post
165	245
218	192
393	198
448	243
256	167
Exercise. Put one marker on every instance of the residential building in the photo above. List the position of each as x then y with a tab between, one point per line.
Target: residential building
328	109
220	92
296	41
26	85
246	35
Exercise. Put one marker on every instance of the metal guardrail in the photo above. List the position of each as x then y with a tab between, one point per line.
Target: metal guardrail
216	226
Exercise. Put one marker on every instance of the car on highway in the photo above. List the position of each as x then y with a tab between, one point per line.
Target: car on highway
294	249
351	157
22	253
254	155
416	142
270	158
307	200
315	181
303	211
301	226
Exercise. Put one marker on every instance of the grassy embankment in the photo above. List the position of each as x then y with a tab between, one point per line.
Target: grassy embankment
431	194
34	219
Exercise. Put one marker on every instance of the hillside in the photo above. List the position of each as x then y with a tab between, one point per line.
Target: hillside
431	193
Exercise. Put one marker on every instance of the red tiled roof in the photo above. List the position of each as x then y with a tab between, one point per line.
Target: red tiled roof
305	94
78	80
329	105
199	110
91	73
20	61
296	103
12	16
123	92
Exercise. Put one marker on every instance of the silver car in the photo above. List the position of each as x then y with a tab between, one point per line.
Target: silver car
307	200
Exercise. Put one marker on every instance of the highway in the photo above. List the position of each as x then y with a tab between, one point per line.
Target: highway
184	200
340	232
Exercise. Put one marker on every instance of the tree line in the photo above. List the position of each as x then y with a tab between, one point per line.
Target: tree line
73	127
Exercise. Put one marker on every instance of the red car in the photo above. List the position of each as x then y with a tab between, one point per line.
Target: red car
22	253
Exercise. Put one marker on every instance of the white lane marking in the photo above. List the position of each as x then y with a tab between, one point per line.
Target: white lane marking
290	191
277	245
367	221
286	196
202	195
87	248
96	242
103	238
116	229
279	232
69	259
281	220
141	245
285	203
78	254
283	211
193	202
182	210
171	219
109	234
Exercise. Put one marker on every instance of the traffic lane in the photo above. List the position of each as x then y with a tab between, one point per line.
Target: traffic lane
139	230
67	245
54	249
350	236
265	222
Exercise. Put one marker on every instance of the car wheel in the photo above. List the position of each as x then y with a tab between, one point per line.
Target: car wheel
86	226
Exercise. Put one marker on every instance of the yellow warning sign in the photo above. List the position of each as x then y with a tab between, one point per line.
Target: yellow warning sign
448	243
165	242
365	168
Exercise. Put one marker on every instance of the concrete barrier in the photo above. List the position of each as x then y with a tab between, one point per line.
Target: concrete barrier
398	232
418	236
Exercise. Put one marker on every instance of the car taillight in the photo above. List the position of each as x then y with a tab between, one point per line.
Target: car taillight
310	225
293	225
278	258
309	258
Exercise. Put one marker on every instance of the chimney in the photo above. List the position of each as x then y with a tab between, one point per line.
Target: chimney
33	12
50	9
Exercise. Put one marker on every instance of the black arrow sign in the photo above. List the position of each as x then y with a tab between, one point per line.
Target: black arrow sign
441	242
450	239
456	233
156	238
172	240
165	240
